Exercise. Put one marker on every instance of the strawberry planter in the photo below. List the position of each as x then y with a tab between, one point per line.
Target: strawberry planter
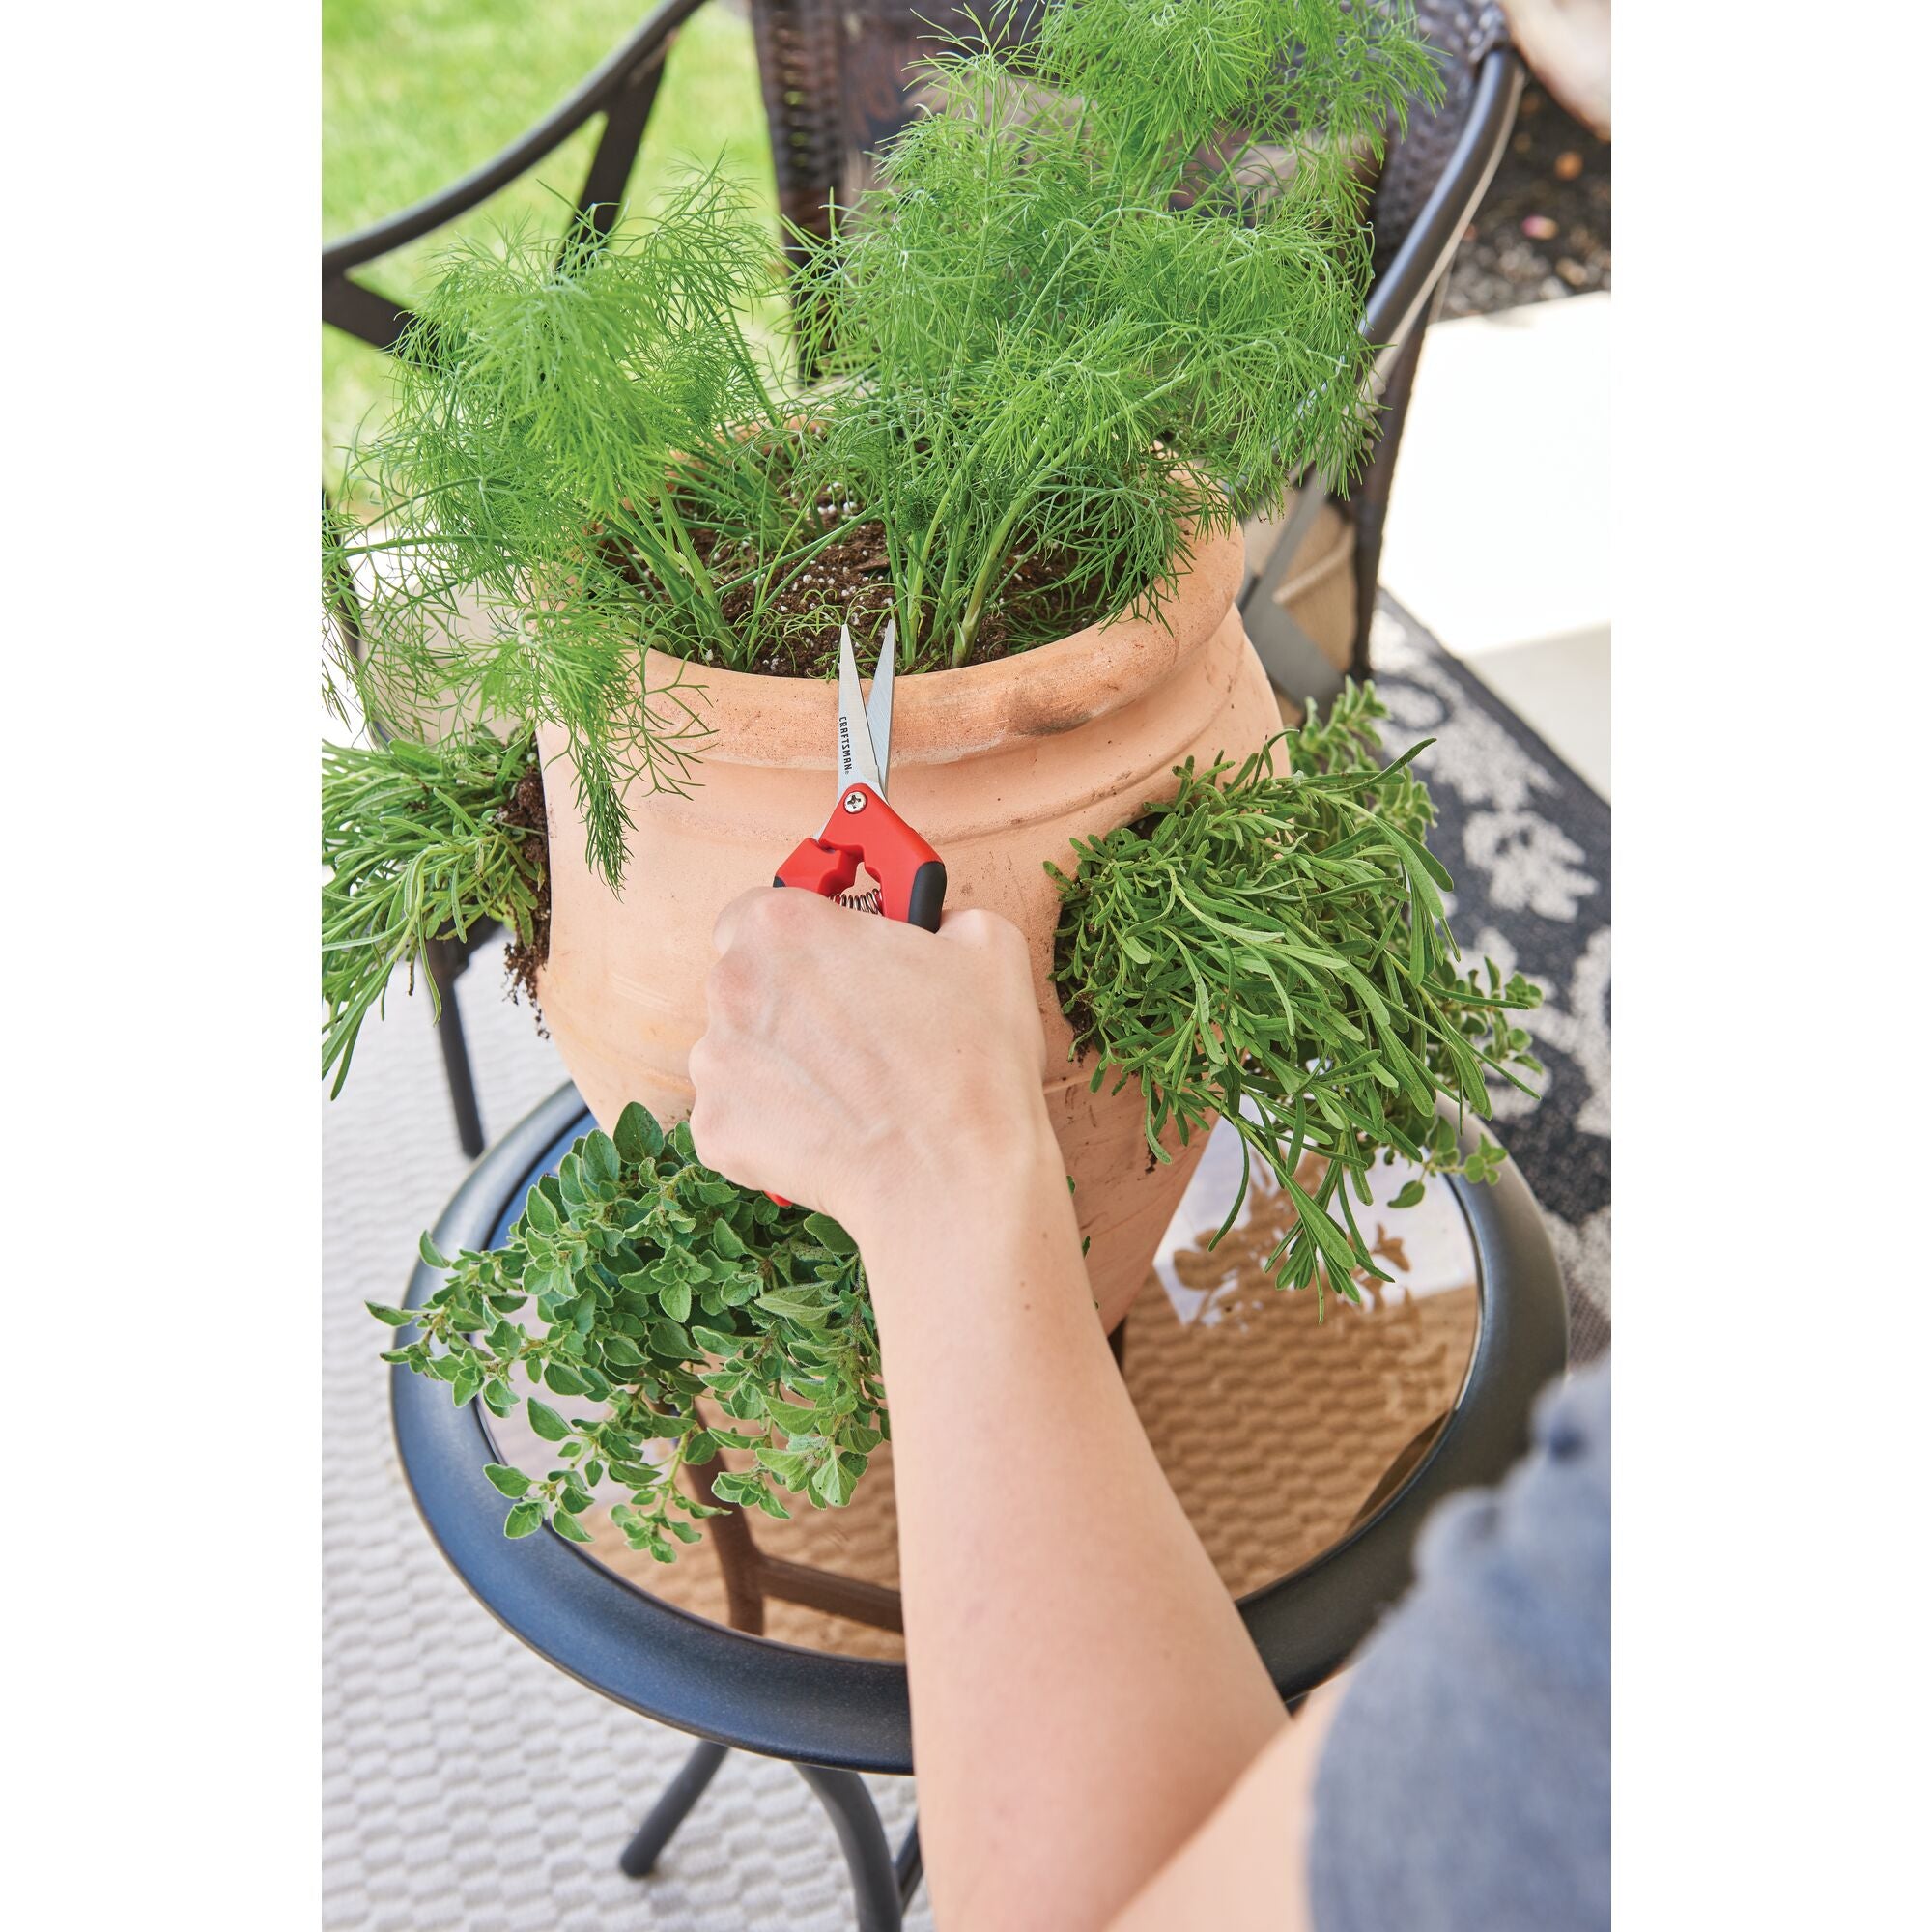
1001	765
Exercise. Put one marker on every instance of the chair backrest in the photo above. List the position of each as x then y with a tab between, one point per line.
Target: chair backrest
840	77
1463	33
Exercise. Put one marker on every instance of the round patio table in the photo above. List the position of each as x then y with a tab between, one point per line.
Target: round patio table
835	1714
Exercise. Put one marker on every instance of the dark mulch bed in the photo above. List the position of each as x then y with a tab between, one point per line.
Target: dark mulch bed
1544	228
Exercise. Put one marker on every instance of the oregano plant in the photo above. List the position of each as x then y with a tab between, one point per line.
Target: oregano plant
635	1286
1269	947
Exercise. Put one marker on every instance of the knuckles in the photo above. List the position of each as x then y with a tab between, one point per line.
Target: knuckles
785	910
757	917
1000	951
1000	939
976	926
704	1058
739	985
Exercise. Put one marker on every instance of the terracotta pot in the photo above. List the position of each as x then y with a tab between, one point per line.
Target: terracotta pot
1000	765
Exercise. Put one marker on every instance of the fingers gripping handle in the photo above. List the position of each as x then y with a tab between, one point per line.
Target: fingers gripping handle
912	880
864	827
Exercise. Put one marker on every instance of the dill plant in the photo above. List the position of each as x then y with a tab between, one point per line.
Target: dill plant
638	1281
530	536
1269	947
1110	291
1107	295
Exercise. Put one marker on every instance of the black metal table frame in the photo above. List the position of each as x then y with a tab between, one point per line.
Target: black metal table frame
835	1716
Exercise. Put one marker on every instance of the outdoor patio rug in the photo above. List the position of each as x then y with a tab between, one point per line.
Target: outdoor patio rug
469	1785
1528	844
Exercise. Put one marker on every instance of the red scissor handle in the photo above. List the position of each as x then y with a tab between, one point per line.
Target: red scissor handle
865	829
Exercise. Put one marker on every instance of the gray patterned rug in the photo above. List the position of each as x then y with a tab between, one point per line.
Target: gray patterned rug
1528	844
468	1787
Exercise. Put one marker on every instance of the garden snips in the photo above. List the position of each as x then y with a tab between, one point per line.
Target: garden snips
863	828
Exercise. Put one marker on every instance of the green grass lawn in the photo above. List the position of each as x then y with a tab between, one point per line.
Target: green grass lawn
416	93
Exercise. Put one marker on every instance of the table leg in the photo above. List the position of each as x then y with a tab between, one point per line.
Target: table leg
875	1881
910	1864
640	1855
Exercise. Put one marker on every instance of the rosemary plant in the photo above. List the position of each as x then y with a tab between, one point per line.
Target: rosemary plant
419	842
656	1286
1269	948
1107	293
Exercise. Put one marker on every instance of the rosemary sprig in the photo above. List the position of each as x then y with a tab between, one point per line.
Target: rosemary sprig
1269	948
414	847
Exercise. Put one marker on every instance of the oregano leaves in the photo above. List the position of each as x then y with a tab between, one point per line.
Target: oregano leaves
634	1285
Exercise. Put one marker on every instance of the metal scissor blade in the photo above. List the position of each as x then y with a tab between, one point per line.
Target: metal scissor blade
879	705
858	762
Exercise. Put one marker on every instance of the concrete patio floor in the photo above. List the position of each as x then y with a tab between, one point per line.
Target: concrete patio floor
1497	528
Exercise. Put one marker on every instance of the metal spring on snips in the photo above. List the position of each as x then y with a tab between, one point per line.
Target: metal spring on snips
861	901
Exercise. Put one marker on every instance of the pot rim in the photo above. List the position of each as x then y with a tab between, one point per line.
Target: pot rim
754	718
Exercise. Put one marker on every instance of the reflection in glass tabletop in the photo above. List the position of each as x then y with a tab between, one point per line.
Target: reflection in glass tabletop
1281	1425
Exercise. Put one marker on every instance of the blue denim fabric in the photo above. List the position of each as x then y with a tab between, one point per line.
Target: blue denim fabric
1466	1784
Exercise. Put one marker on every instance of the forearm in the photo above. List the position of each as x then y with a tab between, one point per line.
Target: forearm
1083	1691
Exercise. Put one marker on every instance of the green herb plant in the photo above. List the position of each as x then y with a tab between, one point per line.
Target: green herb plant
1269	948
1106	296
641	1283
417	846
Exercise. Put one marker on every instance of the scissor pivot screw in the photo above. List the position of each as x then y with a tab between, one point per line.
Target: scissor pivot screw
855	801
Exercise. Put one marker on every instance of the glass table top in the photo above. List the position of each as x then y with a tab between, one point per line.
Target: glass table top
1281	1427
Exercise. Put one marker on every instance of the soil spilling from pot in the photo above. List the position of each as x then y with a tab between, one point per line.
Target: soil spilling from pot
523	956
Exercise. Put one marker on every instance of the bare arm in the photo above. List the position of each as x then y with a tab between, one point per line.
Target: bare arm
1084	1695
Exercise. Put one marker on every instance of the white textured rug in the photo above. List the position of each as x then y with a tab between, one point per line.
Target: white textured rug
465	1783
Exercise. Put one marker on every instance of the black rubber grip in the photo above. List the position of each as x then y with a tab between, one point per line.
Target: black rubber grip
928	896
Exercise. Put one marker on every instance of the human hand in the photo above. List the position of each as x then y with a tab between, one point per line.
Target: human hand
855	1065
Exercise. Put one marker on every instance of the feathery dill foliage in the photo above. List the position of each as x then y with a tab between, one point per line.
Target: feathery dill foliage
1111	287
656	1284
1269	947
1108	292
533	529
416	847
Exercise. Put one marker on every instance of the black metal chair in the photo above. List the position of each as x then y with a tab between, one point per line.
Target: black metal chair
835	79
835	1716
